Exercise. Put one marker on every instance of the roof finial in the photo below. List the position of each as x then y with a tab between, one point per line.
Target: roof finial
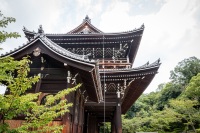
87	19
142	26
24	28
40	29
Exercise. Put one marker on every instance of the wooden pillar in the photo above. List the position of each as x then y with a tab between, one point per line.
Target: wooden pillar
85	128
118	124
66	121
75	113
113	125
81	114
118	119
92	124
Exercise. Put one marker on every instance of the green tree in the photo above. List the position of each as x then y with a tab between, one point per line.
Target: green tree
105	127
4	21
189	114
163	120
144	105
14	74
185	70
180	76
170	91
193	89
160	87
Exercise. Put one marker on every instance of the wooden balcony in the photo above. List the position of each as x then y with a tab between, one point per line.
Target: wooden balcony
114	64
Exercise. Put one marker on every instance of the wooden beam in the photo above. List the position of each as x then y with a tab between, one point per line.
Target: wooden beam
100	104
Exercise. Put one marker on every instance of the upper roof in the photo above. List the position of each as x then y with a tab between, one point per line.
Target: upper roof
84	36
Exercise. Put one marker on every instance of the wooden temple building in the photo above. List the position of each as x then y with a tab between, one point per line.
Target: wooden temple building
102	62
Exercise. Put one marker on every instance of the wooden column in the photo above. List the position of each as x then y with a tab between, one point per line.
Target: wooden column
118	120
118	123
86	117
66	121
113	125
75	117
92	125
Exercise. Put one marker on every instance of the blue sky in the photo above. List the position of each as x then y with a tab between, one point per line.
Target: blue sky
172	27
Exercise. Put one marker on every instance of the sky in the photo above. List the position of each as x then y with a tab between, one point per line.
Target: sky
172	27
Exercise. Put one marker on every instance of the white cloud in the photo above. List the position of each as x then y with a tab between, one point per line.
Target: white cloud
116	18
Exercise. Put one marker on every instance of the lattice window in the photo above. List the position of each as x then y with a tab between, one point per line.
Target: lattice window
99	52
114	87
88	51
79	51
108	52
111	87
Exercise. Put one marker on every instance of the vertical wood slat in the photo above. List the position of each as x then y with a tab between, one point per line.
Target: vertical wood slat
14	123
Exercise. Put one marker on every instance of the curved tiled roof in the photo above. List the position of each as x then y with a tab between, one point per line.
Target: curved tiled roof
85	21
65	52
53	47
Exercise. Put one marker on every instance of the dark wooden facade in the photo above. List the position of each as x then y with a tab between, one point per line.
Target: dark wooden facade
102	62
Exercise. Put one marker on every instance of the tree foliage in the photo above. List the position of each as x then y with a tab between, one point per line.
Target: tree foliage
187	111
193	89
185	70
170	91
105	127
4	21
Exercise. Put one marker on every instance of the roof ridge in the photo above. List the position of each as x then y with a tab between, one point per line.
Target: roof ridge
95	33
